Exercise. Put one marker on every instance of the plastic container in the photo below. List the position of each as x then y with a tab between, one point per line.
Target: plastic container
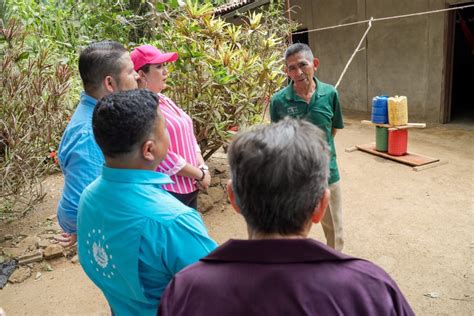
380	109
397	111
381	138
397	142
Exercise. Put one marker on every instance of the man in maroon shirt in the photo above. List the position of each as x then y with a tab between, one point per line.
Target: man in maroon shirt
279	184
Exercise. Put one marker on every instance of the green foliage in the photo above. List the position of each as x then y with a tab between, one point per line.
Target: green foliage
223	78
32	116
225	73
214	2
39	52
69	25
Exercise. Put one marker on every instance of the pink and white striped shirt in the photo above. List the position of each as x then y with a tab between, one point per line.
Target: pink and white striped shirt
182	149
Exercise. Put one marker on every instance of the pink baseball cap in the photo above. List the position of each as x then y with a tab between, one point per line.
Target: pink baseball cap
148	54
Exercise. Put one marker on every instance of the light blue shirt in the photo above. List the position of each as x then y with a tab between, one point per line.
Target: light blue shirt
134	237
80	159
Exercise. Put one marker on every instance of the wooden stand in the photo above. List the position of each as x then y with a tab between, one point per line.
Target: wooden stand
394	128
417	161
410	159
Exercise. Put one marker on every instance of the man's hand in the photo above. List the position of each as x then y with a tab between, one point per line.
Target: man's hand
66	239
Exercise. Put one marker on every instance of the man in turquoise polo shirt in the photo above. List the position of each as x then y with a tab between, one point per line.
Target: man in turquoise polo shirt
308	98
133	236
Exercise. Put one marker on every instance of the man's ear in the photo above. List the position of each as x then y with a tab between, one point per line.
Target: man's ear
147	150
231	194
321	207
285	69
110	84
315	63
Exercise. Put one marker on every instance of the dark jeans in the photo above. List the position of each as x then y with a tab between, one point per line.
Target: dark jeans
189	199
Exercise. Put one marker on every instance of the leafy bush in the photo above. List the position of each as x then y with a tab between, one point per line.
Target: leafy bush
39	53
70	25
225	73
223	78
33	115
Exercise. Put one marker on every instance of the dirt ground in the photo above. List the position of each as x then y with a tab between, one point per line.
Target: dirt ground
417	225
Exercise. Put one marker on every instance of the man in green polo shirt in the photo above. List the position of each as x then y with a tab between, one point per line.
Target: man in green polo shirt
308	98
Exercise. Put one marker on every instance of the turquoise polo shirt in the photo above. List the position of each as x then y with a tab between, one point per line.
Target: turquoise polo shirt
133	237
323	110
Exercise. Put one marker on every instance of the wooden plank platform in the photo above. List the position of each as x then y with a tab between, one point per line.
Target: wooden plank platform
394	128
410	159
430	165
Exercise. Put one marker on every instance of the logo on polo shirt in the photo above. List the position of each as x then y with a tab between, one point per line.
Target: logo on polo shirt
98	256
292	110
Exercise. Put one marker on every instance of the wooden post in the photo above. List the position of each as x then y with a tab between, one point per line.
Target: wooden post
289	19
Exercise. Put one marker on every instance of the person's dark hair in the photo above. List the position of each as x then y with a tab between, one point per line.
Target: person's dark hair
98	60
145	68
123	120
279	174
299	48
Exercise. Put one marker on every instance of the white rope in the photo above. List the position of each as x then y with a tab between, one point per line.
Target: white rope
355	51
384	19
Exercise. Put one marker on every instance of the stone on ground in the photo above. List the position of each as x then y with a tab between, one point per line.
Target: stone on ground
205	203
30	257
53	251
20	275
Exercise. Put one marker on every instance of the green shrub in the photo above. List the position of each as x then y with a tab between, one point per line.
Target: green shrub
69	25
33	115
223	78
225	73
39	53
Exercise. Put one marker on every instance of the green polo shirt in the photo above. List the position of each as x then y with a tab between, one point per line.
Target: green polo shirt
323	110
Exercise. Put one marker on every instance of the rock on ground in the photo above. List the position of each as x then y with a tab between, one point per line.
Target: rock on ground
216	194
205	203
6	269
13	252
20	275
29	243
53	251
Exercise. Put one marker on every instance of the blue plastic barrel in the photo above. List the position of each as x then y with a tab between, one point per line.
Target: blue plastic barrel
380	109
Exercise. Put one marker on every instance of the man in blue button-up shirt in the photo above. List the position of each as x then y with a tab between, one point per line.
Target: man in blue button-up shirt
104	67
133	236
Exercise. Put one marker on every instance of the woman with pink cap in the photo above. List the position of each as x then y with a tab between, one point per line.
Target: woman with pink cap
184	162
